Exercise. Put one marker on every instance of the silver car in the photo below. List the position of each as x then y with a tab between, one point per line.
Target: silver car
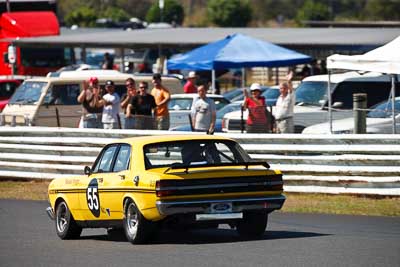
379	121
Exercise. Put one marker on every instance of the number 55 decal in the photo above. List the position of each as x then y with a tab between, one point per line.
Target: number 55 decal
92	197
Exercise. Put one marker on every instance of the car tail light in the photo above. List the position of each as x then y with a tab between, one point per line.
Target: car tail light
164	188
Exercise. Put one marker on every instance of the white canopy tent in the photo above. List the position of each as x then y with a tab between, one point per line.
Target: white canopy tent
384	59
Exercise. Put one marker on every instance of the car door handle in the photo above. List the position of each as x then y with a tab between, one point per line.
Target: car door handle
122	176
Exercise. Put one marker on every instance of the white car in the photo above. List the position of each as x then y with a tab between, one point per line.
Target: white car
379	121
180	106
311	98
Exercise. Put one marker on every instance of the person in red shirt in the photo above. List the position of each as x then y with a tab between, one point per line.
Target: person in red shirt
190	86
257	121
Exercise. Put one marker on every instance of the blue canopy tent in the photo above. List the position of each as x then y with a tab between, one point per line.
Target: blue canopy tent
236	51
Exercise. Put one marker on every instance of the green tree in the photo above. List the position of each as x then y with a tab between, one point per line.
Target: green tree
382	10
229	13
312	10
116	14
82	16
172	12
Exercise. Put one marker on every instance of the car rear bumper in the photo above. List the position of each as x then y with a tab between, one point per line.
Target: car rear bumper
204	206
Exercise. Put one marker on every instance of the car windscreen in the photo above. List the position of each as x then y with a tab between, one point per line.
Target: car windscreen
193	153
228	108
384	110
180	103
271	96
28	93
233	93
220	102
312	93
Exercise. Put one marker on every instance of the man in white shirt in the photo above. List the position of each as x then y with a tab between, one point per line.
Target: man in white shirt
111	101
203	112
284	107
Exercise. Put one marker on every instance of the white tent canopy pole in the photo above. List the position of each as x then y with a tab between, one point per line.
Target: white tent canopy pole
393	105
330	101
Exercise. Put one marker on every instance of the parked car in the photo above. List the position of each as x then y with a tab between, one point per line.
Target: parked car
218	122
233	93
180	106
138	185
312	101
237	93
379	121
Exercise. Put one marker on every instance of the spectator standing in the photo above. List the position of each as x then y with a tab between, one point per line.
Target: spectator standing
257	120
284	107
142	107
111	102
108	62
203	112
190	86
125	100
92	106
162	97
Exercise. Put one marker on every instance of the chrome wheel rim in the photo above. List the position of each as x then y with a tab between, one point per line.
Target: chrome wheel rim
62	221
132	219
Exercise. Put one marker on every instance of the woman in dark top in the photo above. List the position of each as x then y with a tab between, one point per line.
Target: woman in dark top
92	107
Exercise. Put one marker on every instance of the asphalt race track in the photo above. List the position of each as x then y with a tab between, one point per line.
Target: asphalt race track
28	238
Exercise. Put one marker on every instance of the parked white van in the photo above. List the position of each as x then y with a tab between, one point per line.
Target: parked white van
52	101
312	98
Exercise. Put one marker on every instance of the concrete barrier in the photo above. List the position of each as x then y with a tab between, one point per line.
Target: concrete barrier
334	164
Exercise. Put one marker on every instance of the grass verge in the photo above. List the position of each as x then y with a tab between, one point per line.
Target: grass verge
302	203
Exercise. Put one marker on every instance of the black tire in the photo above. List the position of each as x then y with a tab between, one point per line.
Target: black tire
137	228
66	226
253	224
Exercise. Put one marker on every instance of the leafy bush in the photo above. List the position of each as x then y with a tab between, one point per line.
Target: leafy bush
172	12
312	11
82	16
229	13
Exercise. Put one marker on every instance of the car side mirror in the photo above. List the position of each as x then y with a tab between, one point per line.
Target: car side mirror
87	170
337	105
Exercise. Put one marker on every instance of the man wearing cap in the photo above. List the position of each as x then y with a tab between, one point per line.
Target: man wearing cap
257	121
111	102
190	86
161	96
92	106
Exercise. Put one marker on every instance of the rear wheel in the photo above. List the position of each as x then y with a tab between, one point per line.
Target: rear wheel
66	226
136	227
253	224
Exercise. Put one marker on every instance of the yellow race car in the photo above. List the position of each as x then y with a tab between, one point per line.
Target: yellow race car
138	185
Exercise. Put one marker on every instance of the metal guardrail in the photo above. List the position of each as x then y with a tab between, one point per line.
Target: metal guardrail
335	164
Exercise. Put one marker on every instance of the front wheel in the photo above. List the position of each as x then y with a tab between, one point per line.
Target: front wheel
66	226
253	224
136	227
